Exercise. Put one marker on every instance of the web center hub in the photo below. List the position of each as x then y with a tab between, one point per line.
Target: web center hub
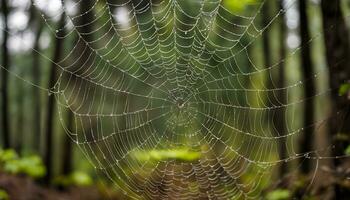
180	103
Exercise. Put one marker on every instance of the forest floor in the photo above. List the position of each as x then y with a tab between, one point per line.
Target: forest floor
20	187
23	188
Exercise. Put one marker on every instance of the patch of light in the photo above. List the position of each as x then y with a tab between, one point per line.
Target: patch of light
25	4
121	15
44	40
18	20
317	2
2	25
21	42
293	41
292	18
71	7
51	8
69	25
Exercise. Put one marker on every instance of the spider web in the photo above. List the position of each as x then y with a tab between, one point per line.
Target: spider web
142	77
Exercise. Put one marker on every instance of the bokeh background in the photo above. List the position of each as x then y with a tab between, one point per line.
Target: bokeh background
304	46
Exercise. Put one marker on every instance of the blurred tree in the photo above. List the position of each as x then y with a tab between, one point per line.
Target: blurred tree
309	86
336	38
4	78
18	133
280	117
266	37
58	50
67	148
275	98
85	26
267	59
38	28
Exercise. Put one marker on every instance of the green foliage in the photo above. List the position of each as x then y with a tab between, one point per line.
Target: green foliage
344	89
3	195
7	155
177	154
347	150
32	165
81	179
237	5
74	179
280	194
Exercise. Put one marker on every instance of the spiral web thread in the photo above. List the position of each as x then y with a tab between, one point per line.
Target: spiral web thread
142	77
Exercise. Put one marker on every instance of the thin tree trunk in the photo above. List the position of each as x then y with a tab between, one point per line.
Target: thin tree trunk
67	156
4	79
336	38
281	115
36	80
273	97
48	153
19	137
309	86
267	51
266	37
85	26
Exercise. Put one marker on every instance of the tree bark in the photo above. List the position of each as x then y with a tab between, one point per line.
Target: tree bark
267	52
309	86
336	38
67	156
36	80
85	26
58	50
273	97
281	119
266	36
18	139
4	79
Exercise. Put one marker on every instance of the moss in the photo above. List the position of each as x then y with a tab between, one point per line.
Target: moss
177	154
31	165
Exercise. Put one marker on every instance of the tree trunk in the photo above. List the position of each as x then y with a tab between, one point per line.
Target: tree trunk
309	86
267	51
58	50
281	119
67	156
36	80
85	26
266	36
4	79
18	140
336	38
276	97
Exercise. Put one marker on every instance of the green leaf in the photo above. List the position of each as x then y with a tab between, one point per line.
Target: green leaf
30	165
8	154
12	166
344	89
76	178
3	195
237	5
33	166
177	154
280	194
80	179
347	150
